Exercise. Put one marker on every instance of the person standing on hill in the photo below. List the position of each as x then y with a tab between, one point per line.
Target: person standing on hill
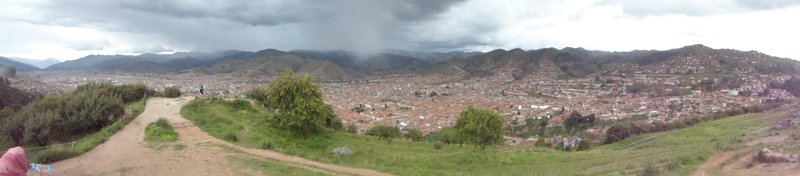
201	89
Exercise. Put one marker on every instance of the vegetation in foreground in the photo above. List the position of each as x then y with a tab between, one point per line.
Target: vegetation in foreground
160	131
73	123
298	103
682	150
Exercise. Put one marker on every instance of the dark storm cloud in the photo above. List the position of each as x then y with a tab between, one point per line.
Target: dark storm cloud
364	25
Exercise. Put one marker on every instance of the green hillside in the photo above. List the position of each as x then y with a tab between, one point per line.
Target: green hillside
675	152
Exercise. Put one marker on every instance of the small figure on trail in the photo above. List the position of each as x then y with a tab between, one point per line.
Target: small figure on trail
201	89
14	162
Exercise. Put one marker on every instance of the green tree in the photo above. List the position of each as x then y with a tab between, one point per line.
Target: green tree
299	104
384	132
482	127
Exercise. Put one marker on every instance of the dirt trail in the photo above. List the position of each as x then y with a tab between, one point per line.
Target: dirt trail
125	153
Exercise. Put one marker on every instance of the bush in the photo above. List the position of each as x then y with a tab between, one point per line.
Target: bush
480	126
649	169
448	136
299	104
231	137
577	121
79	112
413	134
584	145
384	132
541	143
172	92
267	145
54	155
259	95
127	93
351	128
437	145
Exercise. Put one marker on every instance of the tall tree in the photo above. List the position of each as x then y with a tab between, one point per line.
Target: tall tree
482	127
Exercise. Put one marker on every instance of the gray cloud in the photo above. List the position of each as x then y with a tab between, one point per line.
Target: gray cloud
360	25
367	26
88	46
152	48
641	8
767	4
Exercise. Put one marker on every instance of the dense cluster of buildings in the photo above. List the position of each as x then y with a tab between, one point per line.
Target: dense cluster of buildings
430	103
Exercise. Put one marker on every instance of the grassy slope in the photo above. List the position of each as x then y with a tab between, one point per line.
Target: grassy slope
680	151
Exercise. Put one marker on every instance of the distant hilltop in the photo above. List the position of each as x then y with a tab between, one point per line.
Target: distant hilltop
38	63
549	63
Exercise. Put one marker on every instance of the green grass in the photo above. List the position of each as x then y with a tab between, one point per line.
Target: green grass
160	131
269	166
86	143
675	152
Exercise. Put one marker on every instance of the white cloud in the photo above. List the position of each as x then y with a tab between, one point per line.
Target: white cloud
607	26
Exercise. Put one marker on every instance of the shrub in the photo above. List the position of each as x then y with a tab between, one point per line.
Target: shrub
413	134
231	137
541	143
259	95
649	169
172	92
299	104
54	155
481	126
267	145
584	145
448	136
77	113
576	120
437	145
384	132
127	93
351	128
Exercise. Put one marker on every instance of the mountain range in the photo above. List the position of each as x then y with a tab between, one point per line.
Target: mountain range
19	66
37	63
563	63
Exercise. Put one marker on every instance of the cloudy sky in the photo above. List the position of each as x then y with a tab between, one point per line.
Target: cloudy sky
70	29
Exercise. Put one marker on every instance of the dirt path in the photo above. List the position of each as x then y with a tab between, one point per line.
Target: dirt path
125	153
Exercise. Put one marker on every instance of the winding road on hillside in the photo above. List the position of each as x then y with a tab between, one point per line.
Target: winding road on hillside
195	153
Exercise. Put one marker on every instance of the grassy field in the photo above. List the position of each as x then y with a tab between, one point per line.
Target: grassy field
82	144
675	152
160	131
